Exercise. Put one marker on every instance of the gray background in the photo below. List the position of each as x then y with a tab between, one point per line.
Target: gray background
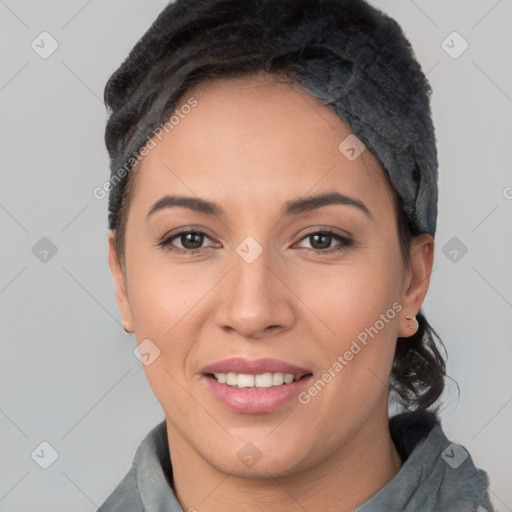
68	373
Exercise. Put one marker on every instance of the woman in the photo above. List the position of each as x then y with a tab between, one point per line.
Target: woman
273	206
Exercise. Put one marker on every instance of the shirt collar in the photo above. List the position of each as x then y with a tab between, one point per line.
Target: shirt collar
436	474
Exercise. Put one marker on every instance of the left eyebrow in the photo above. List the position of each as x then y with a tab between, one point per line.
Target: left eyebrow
292	207
313	202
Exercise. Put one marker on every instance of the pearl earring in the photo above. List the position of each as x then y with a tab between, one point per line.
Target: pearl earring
412	326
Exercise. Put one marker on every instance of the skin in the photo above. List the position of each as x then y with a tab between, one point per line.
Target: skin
251	145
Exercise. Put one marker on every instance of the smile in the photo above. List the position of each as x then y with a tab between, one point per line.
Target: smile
260	381
254	386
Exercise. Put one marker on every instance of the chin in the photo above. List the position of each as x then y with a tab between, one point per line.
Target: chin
263	468
259	458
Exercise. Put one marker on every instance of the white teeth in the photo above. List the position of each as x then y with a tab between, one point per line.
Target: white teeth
263	380
277	379
231	379
245	381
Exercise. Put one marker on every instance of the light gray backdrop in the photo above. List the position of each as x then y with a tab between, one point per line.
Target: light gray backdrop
68	374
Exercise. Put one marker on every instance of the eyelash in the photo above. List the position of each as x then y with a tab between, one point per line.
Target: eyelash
345	242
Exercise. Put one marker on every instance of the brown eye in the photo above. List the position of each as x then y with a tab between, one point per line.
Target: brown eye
190	242
321	241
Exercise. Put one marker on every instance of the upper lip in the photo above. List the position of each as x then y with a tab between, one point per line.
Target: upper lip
254	367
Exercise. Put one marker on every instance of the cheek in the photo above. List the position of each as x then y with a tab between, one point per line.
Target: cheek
356	309
347	299
159	310
164	307
162	297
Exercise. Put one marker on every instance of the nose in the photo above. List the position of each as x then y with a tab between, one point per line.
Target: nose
256	301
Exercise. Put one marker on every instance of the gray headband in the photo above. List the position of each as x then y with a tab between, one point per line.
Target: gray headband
357	60
387	108
400	136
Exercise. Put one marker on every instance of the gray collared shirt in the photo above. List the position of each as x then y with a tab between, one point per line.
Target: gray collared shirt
437	475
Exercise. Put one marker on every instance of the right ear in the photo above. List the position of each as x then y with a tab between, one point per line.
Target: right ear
119	277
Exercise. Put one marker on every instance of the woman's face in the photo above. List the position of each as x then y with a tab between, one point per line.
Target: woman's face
260	279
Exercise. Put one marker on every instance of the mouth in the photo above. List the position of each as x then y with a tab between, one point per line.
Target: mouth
255	386
256	381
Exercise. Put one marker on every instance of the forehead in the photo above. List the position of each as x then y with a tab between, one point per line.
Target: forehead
255	136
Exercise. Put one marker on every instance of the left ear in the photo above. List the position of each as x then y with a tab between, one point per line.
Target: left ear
417	282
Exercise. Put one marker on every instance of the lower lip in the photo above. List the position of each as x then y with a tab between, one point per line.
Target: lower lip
254	401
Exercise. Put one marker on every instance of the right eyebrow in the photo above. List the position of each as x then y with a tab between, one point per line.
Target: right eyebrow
192	203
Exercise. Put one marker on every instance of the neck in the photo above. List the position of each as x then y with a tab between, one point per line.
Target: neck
343	481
